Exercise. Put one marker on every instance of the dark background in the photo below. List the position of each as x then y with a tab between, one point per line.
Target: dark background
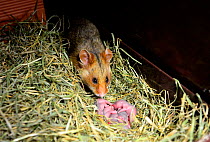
174	35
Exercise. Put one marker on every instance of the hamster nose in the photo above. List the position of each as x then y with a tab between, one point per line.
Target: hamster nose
101	91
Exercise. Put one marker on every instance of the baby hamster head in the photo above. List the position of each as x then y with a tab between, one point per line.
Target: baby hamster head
95	70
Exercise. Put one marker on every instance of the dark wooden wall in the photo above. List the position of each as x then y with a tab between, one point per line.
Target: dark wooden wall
175	36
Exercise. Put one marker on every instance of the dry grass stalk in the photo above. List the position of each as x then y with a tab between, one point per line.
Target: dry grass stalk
42	99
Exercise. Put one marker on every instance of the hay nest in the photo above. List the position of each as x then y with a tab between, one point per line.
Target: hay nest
42	97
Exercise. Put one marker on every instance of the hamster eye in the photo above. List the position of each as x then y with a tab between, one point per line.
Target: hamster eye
107	79
94	80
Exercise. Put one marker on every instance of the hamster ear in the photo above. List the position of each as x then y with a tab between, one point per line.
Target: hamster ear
107	55
86	57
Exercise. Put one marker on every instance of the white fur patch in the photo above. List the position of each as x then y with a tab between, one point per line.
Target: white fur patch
84	73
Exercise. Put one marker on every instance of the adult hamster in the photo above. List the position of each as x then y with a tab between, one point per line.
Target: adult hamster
89	56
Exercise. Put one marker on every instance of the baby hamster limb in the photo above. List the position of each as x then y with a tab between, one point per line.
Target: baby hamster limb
108	111
102	104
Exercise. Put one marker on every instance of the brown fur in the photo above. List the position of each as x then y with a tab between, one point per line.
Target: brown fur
89	56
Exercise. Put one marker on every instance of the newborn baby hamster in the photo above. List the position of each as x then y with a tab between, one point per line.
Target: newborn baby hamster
102	105
122	106
89	56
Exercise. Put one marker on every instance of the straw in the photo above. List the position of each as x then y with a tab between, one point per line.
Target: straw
42	98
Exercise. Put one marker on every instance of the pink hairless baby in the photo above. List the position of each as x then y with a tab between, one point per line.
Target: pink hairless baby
109	110
102	104
119	112
122	106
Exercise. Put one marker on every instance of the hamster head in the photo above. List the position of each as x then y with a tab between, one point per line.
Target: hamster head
95	70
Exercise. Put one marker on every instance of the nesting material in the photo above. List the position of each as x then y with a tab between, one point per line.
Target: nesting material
42	97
